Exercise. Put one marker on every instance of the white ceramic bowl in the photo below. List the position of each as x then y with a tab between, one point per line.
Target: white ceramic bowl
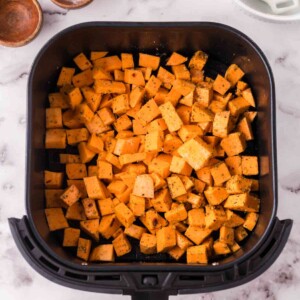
262	10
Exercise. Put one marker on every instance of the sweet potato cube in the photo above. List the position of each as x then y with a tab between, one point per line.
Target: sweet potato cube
85	78
248	96
103	253
176	214
96	126
53	118
148	243
240	233
120	104
198	60
71	237
90	208
97	54
82	62
91	97
70	195
90	227
127	145
154	141
250	115
162	200
249	165
135	231
181	72
187	132
55	139
136	96
200	114
148	112
196	153
233	144
84	113
215	217
235	247
234	164
152	219
157	125
182	242
53	180
100	73
95	188
152	86
184	87
144	186
86	155
171	143
242	202
108	87
197	255
74	97
222	124
105	206
75	136
250	220
135	77
127	61
220	173
176	186
170	116
137	205
221	85
105	170
116	187
226	235
124	214
215	195
233	220
187	100
65	76
197	234
76	171
238	184
151	61
203	94
195	200
244	126
57	100
56	219
122	123
76	212
166	239
106	116
80	185
221	248
196	217
121	245
234	74
84	248
237	106
176	59
176	253
109	63
95	143
108	226
180	166
165	76
204	175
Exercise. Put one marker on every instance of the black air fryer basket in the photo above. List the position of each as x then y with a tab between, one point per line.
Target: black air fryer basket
155	276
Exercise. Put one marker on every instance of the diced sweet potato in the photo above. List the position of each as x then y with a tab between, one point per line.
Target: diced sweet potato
197	234
220	173
84	248
166	239
53	180
221	248
197	255
144	186
90	227
242	202
121	245
103	253
70	195
76	212
151	61
71	237
234	74
249	165
56	219
215	217
95	188
176	214
250	220
215	195
233	220
176	59
108	226
148	243
65	76
55	139
233	144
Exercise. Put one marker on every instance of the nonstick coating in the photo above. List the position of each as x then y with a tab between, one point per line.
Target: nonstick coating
224	46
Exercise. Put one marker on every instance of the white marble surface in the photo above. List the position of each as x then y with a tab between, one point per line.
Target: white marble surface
281	43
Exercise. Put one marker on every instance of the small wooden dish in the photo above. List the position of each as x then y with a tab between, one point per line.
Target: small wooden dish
20	22
71	3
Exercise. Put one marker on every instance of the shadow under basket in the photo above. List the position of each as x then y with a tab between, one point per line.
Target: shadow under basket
154	277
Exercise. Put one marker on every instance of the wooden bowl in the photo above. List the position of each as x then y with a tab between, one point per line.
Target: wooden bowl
20	22
71	3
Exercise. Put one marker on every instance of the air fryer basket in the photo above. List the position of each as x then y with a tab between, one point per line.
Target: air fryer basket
135	274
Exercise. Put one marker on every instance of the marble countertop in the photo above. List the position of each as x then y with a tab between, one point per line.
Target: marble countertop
281	44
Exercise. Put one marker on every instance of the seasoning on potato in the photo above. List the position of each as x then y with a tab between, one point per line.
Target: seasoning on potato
152	152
